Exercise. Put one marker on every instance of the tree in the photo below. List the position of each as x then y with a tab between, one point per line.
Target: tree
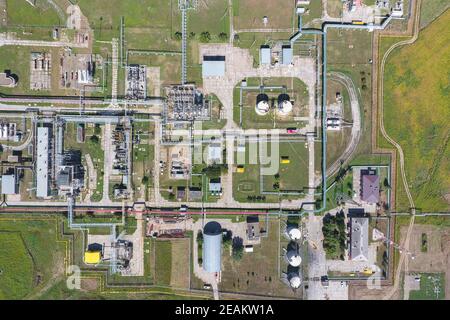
94	139
205	36
191	35
145	180
223	36
238	253
178	35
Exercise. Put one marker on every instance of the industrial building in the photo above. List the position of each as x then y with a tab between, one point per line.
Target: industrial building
136	82
42	162
9	185
370	186
359	238
213	66
214	153
286	54
185	103
212	247
253	229
215	187
265	55
8	80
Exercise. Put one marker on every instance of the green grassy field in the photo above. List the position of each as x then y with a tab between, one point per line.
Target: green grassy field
163	262
248	14
431	9
416	100
30	256
432	287
16	267
20	13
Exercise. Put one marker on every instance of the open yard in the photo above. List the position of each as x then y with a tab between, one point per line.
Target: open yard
298	94
257	271
248	14
416	91
292	176
431	287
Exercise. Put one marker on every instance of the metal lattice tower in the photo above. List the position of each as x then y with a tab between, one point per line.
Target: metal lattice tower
183	6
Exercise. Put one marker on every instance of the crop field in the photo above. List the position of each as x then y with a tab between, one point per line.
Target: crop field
258	270
30	256
248	14
416	100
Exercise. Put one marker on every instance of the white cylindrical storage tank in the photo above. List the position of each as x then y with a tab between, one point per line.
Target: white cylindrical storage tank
262	104
212	247
293	258
293	233
295	281
284	104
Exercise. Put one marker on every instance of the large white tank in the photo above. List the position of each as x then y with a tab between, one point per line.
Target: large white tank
262	108
293	258
295	281
262	104
285	107
284	104
293	233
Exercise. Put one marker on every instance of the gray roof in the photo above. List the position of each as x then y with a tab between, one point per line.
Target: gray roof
212	247
370	188
265	55
215	185
215	153
359	239
213	66
9	184
286	55
42	162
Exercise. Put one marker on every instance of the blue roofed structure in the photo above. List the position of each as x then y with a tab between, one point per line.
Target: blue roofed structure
286	54
213	66
265	54
9	185
212	247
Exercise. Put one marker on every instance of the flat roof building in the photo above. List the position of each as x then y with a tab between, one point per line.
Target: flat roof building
42	162
214	153
9	185
286	54
265	55
213	66
215	186
359	239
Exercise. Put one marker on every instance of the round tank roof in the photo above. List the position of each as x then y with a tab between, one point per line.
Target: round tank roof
283	97
212	228
294	233
285	107
295	282
262	97
262	107
293	258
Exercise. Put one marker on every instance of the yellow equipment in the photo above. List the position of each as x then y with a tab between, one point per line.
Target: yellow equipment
240	169
92	257
285	160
